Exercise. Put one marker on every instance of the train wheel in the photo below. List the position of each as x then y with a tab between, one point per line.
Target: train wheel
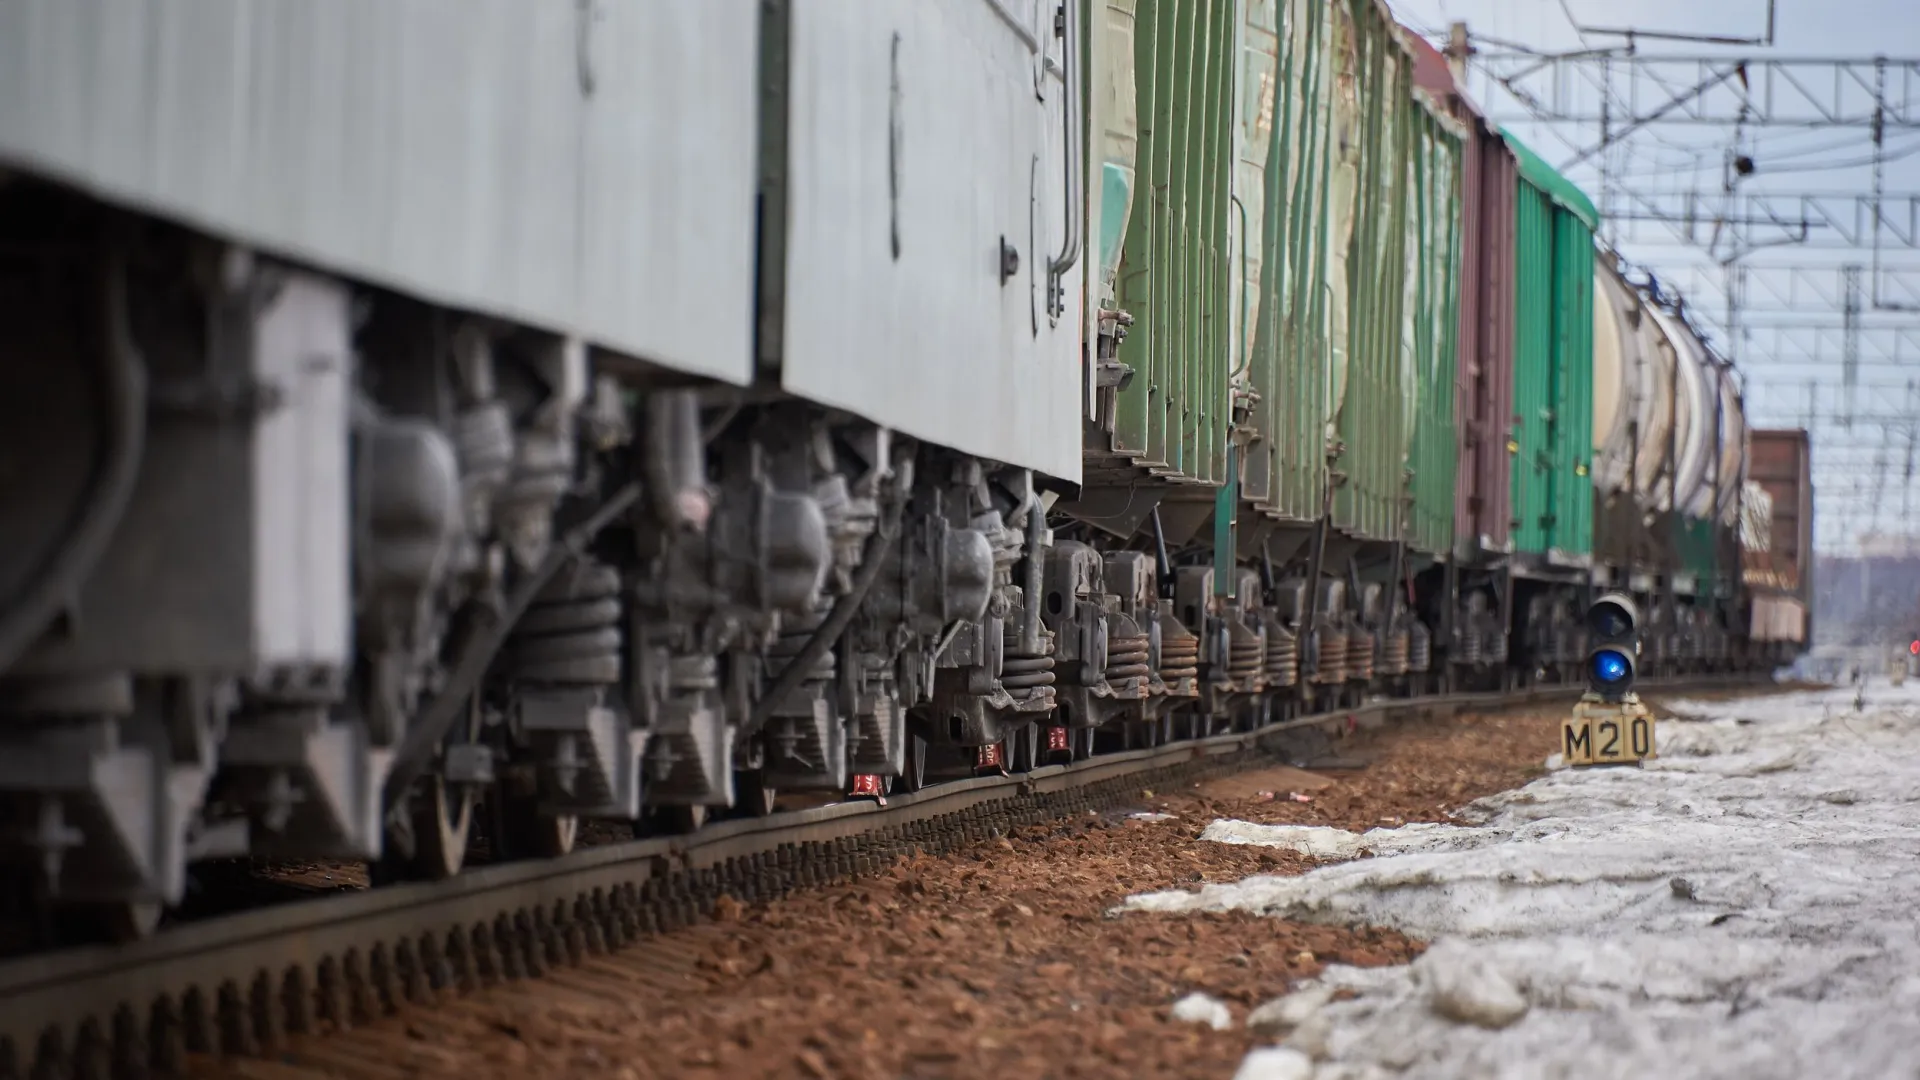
119	923
442	825
914	776
523	832
1081	741
756	798
1024	749
673	820
681	820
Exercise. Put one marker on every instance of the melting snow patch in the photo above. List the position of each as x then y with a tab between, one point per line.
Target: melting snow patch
1283	1014
1197	1008
1147	815
1321	842
1742	907
1275	1063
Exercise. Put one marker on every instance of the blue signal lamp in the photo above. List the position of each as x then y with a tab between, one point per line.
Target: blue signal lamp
1611	667
1613	632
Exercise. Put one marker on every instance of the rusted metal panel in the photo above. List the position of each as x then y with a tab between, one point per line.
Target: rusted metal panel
1780	461
1483	350
1484	513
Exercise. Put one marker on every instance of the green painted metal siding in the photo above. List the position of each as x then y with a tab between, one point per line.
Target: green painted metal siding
1377	216
1113	133
1553	367
1290	361
1694	543
1558	189
1175	268
1433	282
1348	355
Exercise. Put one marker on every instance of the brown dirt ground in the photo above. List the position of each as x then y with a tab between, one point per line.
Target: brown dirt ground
1001	958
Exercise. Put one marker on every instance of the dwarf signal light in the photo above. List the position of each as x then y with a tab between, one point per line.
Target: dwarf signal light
1613	643
1913	648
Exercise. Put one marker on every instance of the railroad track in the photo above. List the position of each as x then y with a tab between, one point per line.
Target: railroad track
238	984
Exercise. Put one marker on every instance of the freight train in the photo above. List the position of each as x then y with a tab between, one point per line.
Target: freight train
438	420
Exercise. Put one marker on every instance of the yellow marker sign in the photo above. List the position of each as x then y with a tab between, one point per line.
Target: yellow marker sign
1601	734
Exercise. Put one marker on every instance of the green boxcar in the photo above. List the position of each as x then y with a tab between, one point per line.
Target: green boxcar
1372	113
1113	131
1346	359
1695	543
1553	365
1290	364
1175	273
1432	302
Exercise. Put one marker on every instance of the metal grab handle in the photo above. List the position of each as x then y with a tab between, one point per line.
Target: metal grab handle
1072	145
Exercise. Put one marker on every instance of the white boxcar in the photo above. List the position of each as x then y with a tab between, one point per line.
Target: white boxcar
923	135
582	166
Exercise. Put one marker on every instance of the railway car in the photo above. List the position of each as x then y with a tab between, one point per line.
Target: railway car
1670	471
1777	545
428	421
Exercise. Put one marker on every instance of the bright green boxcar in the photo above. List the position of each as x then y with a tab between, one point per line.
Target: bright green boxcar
1175	272
1553	365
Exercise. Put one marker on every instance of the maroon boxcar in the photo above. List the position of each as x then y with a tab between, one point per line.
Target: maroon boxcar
1781	462
1483	391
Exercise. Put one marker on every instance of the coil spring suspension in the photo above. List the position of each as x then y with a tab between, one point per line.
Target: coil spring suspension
1283	656
1025	674
1332	666
1394	646
1179	657
1127	656
1359	654
1246	655
1470	641
1495	649
483	444
571	632
1419	647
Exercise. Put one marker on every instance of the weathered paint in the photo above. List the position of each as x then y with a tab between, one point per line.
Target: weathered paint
1553	366
1377	277
1175	267
1112	139
1483	368
1694	427
1291	360
1634	373
1113	130
1780	461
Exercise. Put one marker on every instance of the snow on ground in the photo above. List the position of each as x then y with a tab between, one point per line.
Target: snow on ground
1745	906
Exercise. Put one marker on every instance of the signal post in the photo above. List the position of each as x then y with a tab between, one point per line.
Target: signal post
1609	725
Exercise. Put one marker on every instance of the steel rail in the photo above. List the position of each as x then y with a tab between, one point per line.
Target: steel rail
232	984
